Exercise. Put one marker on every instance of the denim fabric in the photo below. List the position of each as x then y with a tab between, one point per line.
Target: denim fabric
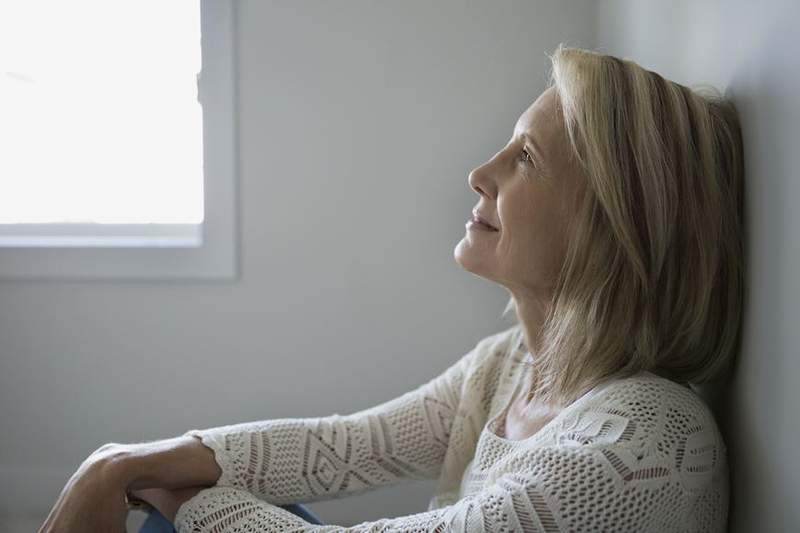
158	523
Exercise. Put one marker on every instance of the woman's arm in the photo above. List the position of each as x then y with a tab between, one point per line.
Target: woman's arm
287	460
284	460
173	463
309	459
550	489
642	454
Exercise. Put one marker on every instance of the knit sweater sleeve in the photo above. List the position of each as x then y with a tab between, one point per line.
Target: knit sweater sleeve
531	500
290	460
642	455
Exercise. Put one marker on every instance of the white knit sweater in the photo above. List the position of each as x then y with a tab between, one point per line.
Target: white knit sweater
635	454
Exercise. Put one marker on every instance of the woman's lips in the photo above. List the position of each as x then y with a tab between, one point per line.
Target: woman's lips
482	220
476	224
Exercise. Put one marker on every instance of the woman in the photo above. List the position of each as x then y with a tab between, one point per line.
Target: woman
613	217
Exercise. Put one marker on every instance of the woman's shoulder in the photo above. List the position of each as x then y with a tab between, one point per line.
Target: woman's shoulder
492	352
649	399
642	445
490	368
648	415
501	345
510	339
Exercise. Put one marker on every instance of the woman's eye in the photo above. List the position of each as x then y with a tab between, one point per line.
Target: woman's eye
525	158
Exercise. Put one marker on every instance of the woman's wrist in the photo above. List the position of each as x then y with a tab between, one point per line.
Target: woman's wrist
173	463
121	468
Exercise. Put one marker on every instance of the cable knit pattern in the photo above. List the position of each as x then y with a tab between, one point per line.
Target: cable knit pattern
634	454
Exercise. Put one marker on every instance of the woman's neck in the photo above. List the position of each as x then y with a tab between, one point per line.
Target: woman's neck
531	313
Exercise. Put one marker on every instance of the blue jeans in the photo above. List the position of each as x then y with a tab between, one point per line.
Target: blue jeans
158	523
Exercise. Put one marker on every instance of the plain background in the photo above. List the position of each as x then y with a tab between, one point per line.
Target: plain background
358	124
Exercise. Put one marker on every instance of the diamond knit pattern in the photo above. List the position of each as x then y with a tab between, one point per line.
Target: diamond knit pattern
636	454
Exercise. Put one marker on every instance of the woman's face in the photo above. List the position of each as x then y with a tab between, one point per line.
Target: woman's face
525	193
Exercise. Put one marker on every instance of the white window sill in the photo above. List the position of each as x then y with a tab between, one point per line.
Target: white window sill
100	235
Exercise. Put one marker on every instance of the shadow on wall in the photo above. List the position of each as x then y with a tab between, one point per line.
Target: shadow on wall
764	374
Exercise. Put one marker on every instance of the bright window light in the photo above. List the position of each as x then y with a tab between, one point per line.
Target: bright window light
99	117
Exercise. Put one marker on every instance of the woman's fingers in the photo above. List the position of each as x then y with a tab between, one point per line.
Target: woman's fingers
88	503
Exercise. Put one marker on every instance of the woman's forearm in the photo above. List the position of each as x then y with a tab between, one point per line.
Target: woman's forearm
172	463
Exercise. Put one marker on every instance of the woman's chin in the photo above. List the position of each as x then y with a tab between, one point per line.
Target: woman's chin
467	259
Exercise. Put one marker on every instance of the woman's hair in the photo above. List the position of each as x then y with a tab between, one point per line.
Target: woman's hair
653	277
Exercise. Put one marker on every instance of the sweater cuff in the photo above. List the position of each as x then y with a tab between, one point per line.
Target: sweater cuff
220	508
217	443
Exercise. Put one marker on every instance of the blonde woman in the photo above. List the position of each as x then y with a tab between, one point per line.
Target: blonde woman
613	216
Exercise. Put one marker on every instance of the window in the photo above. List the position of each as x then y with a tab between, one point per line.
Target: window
118	139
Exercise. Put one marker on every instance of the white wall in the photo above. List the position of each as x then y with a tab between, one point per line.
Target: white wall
359	123
750	51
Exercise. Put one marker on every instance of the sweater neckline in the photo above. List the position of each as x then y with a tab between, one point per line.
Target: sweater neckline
491	425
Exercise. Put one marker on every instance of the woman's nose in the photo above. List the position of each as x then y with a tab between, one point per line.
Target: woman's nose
480	181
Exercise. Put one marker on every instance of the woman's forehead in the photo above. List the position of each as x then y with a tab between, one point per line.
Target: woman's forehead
541	122
541	115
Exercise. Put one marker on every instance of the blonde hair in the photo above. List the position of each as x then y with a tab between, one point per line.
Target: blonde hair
653	277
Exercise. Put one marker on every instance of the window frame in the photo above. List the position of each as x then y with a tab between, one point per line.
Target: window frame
141	251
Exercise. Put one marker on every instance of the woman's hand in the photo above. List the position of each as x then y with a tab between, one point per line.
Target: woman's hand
94	498
166	501
92	501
